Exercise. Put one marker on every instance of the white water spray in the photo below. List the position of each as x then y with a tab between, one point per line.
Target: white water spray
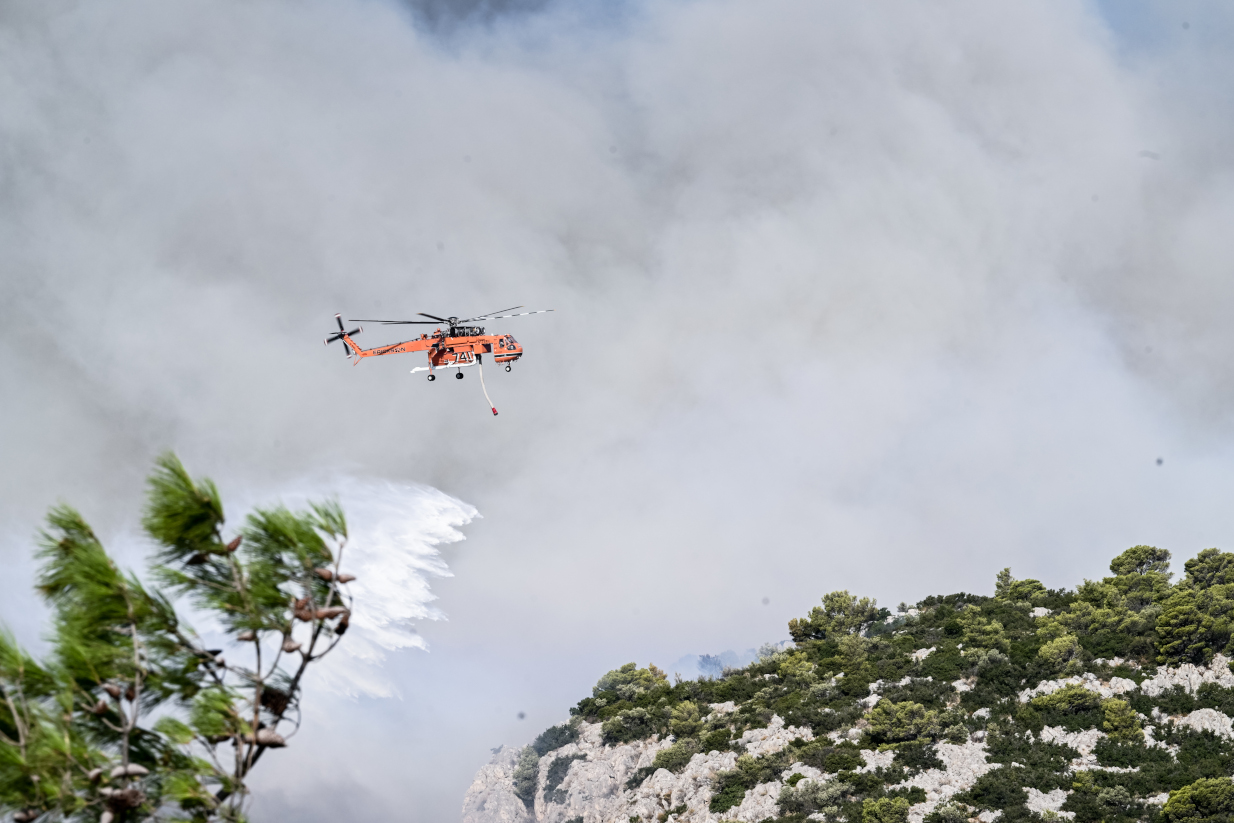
396	531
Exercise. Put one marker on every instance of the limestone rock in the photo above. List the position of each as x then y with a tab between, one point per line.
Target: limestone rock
1208	720
1041	802
1083	742
876	760
491	798
776	736
1190	677
962	764
1115	686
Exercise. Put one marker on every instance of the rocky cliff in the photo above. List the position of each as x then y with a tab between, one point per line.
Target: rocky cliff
961	708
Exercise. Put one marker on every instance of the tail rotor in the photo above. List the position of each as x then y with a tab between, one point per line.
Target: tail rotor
341	333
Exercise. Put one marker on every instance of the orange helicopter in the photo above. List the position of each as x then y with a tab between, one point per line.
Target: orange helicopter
459	347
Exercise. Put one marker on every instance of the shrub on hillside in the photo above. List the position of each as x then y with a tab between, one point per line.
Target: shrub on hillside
885	810
675	757
1121	722
1070	699
685	720
1204	801
526	775
555	775
627	725
810	797
841	614
555	737
1063	654
629	681
898	722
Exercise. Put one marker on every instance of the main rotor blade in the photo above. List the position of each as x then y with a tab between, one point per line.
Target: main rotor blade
354	332
394	322
332	338
339	319
435	317
520	314
485	316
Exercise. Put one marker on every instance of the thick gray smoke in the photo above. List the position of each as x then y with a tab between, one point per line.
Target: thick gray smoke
876	296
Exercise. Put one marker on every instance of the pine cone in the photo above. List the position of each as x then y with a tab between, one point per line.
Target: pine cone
333	611
324	574
290	645
341	628
124	800
233	545
276	700
131	770
246	637
270	739
346	578
112	689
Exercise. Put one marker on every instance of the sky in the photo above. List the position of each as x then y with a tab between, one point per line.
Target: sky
881	297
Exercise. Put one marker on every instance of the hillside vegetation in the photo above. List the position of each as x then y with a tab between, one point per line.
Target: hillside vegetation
1111	702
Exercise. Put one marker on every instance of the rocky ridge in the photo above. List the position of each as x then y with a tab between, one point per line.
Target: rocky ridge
968	708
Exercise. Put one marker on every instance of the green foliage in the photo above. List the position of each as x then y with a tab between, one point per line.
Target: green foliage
1204	801
1210	568
553	777
715	741
555	737
1141	561
1019	592
796	669
1062	655
730	787
129	685
677	756
629	681
997	790
897	722
806	797
1070	699
1121	722
885	810
631	724
843	647
978	632
526	776
685	720
917	756
730	790
948	813
841	613
1127	754
1195	624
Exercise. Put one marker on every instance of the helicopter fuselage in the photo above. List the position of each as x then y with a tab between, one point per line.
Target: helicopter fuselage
447	351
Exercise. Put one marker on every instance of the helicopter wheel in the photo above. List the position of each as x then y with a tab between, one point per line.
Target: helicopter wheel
458	376
507	368
432	377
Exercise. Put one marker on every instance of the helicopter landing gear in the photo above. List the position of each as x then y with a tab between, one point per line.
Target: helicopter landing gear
458	376
432	377
507	368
